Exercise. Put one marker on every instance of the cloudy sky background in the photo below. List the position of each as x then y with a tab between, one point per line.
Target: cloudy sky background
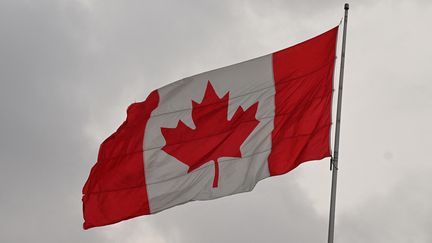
69	69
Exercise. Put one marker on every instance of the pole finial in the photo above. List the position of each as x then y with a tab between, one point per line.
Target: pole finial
346	7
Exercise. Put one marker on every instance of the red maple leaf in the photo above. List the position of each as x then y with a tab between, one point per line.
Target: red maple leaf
214	136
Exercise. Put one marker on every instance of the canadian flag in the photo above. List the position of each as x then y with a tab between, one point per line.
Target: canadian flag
216	133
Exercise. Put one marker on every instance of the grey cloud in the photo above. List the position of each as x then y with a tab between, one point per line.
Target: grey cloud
402	214
41	119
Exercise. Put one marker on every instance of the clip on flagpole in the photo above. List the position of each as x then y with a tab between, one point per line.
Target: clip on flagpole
334	158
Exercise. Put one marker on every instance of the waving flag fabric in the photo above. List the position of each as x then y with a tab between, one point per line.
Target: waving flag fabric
216	133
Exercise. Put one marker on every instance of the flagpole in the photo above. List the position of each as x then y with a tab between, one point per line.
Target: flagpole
334	159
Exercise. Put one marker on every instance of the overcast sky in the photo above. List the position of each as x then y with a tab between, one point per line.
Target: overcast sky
69	69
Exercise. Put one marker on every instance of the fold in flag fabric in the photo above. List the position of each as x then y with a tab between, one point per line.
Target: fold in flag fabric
216	133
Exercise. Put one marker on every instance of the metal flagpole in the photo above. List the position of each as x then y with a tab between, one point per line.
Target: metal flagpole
334	159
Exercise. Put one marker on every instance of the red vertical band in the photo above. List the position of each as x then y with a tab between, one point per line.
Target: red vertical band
303	76
116	187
